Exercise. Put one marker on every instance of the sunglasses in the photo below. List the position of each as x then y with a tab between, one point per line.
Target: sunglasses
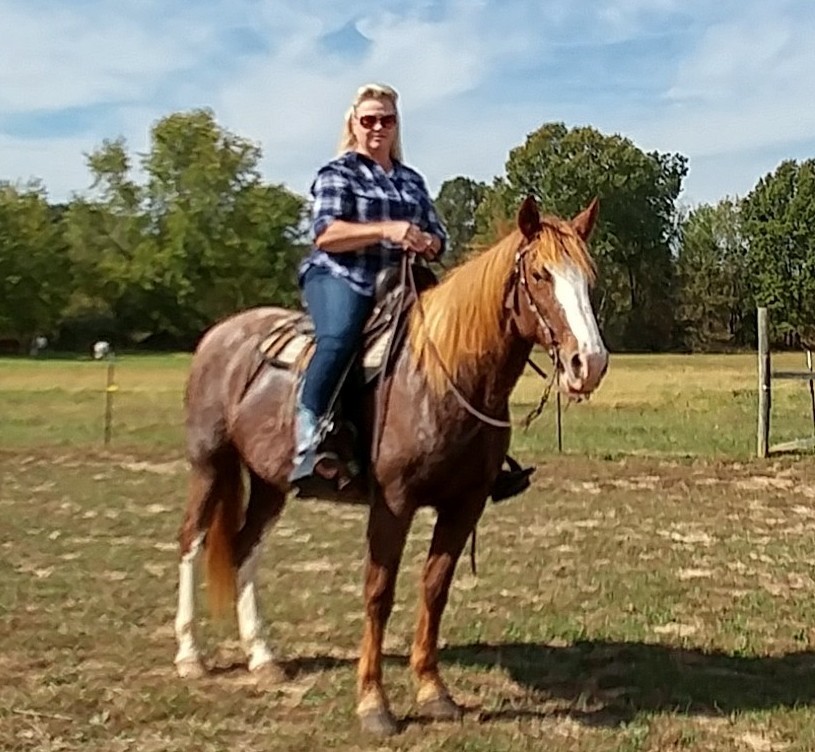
369	121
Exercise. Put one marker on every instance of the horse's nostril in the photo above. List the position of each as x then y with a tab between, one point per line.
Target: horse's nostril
576	364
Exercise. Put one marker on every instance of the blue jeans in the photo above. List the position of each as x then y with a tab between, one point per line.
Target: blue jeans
339	314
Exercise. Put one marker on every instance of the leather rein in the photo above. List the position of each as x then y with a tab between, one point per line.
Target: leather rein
518	280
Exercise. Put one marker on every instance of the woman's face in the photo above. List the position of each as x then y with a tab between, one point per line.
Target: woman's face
374	125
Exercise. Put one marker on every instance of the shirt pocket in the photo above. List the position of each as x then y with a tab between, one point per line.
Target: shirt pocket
371	204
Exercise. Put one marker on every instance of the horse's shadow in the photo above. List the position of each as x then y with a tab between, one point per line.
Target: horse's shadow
608	683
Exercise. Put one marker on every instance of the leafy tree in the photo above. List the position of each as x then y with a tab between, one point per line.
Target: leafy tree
33	263
714	302
202	238
779	224
456	204
104	233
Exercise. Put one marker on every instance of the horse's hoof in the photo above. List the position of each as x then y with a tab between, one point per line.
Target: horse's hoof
440	708
190	668
379	722
268	673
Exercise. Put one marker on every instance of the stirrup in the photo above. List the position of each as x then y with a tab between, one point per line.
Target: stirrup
511	482
317	484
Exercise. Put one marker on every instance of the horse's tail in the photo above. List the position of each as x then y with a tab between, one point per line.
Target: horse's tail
221	574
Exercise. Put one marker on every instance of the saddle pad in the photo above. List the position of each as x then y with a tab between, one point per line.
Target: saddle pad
287	347
290	343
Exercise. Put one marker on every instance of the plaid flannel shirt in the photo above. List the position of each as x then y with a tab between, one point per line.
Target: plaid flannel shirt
354	188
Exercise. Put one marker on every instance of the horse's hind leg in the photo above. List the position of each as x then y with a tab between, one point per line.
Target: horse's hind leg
265	505
205	483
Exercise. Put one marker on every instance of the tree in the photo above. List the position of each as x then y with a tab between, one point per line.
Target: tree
104	232
33	263
713	296
779	224
456	204
202	238
224	239
565	168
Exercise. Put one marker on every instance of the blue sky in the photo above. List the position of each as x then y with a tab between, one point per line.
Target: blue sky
727	83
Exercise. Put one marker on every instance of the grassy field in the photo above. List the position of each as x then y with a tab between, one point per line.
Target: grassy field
673	405
652	591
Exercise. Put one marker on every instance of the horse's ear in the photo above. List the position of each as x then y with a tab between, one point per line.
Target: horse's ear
584	222
529	218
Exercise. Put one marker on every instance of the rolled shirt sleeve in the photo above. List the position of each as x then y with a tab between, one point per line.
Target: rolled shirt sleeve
333	198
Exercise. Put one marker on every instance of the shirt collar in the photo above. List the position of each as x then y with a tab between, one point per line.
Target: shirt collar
372	164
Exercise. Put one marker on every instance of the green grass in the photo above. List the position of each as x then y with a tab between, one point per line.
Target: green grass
651	591
62	402
680	405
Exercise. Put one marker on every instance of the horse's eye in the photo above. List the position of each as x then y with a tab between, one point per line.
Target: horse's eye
540	276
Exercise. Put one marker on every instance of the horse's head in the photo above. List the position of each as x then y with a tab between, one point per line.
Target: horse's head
549	295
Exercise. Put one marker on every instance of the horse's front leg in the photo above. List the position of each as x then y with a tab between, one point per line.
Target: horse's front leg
387	533
450	534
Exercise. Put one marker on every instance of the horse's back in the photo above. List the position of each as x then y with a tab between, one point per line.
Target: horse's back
224	353
227	335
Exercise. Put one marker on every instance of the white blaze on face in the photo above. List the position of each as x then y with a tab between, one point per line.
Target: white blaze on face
571	290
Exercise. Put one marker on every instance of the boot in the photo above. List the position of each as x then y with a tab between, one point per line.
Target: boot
305	444
317	473
511	482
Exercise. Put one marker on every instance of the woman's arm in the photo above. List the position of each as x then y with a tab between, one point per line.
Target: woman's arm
342	236
334	226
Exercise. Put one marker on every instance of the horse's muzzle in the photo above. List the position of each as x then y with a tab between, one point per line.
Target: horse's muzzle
581	372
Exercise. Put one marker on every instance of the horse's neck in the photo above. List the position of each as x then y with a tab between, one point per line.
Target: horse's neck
497	374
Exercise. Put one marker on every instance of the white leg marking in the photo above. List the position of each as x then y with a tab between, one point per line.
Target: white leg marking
249	622
185	616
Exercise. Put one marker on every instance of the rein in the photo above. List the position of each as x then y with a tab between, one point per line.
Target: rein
475	412
518	279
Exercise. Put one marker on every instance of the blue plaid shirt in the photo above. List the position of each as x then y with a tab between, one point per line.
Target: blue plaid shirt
355	188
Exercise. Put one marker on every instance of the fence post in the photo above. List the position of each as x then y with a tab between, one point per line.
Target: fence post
811	390
764	385
110	388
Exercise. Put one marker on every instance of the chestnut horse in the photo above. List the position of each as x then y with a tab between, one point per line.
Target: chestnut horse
467	343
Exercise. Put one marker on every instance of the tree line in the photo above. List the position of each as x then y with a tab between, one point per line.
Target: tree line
166	243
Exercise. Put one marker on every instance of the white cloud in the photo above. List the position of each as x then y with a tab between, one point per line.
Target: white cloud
59	162
738	99
730	90
293	101
58	57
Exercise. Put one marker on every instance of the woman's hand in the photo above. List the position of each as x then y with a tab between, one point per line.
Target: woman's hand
405	234
432	246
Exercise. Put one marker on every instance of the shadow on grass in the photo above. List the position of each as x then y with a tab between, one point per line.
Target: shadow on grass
609	683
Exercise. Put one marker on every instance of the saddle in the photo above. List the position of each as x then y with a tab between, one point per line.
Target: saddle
290	344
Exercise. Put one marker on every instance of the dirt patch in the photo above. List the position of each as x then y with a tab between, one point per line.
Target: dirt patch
157	468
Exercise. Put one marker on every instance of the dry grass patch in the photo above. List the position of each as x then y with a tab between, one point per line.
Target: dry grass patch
636	604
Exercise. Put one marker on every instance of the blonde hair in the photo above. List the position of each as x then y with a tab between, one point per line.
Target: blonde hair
348	141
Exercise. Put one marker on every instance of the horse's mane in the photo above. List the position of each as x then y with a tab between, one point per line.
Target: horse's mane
464	314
